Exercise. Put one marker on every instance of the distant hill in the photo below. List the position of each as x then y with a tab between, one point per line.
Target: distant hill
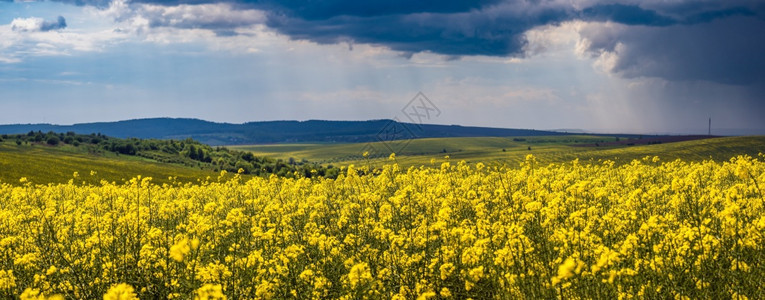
269	132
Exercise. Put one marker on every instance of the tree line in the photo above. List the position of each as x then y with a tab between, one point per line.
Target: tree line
186	152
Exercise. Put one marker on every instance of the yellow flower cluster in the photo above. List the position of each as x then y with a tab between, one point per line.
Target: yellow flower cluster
122	291
647	229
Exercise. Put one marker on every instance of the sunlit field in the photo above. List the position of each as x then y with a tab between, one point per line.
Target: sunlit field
405	150
647	229
512	150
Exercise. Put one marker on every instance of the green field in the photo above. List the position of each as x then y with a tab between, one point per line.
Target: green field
40	163
547	149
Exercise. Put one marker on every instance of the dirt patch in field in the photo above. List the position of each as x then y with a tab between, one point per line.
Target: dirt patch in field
648	141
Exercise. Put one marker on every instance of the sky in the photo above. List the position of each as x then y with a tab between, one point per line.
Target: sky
652	66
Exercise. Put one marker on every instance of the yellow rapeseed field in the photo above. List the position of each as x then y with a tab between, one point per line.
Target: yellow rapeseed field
648	229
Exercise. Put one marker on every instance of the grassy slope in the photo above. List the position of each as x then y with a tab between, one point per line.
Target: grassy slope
46	164
547	149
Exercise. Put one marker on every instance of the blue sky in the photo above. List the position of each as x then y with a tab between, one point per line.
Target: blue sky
611	66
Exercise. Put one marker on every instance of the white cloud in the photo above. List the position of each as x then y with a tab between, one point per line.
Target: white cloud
142	18
125	22
210	16
215	27
37	24
17	43
8	59
26	24
551	38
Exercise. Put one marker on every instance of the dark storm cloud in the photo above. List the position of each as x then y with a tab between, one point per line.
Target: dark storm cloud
720	41
495	31
313	10
708	16
716	41
626	14
60	23
321	10
705	9
452	27
459	28
726	50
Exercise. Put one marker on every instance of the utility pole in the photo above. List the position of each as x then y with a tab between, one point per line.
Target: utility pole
709	131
